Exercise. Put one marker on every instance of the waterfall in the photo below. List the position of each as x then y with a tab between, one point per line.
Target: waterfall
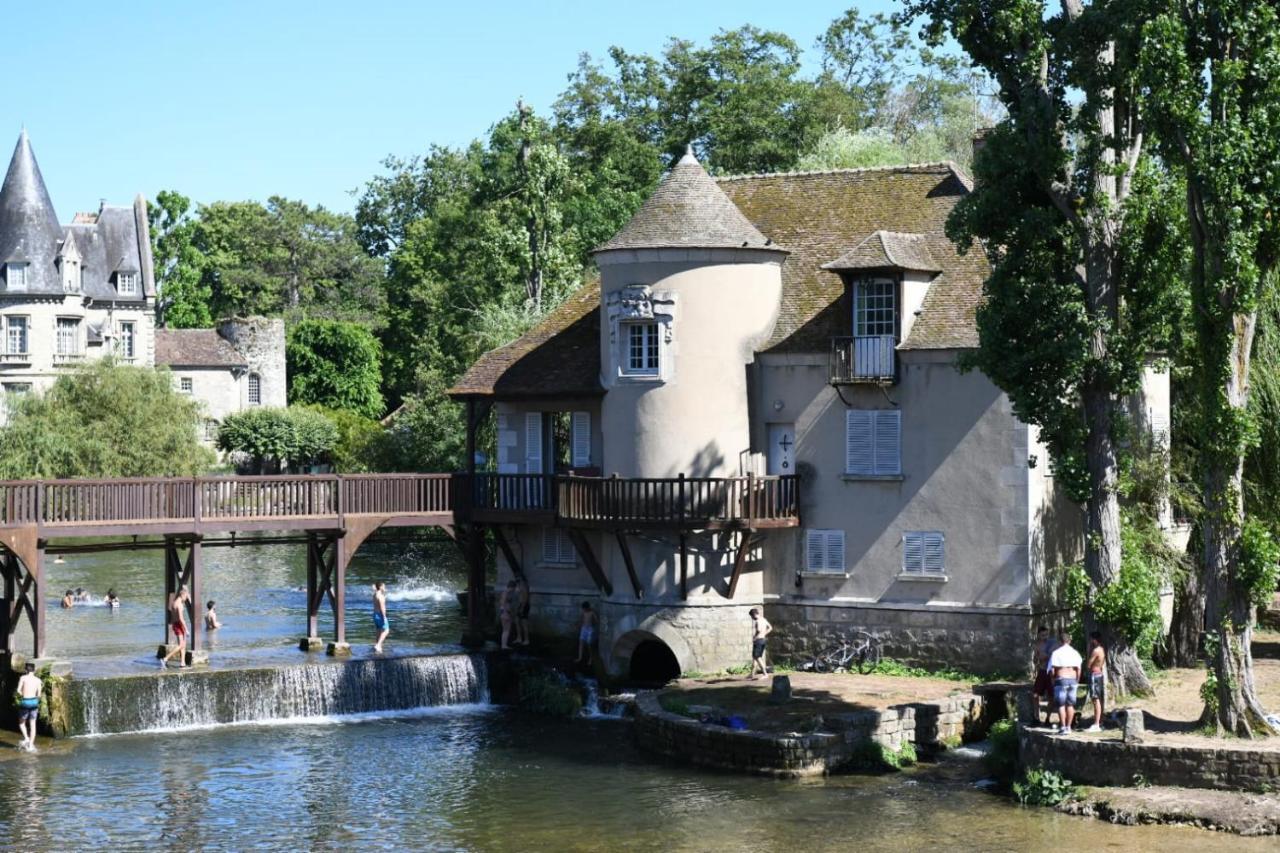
282	694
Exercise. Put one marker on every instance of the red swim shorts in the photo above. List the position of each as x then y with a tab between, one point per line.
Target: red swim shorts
179	630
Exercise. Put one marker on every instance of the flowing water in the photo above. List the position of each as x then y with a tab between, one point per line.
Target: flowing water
405	752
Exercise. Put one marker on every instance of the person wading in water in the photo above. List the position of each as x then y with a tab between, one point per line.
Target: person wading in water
29	689
178	620
380	620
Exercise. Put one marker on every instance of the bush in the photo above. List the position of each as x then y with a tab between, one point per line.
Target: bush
874	755
543	693
362	442
674	705
1002	759
336	365
1259	563
278	437
1042	787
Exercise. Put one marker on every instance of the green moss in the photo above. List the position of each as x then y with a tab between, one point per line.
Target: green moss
873	755
543	693
674	705
1002	759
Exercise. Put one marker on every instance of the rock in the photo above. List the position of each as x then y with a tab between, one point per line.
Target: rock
1134	725
781	690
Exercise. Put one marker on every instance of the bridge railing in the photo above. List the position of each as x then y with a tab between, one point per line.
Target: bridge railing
160	499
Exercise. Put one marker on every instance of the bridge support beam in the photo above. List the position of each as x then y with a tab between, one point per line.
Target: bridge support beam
327	557
24	594
188	572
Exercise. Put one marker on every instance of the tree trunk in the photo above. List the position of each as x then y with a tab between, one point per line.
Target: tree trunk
1227	603
1182	648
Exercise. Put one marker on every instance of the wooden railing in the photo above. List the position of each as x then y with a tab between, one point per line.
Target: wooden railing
513	492
199	499
681	502
864	358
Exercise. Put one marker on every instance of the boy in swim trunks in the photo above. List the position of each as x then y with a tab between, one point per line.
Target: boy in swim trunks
586	634
29	689
178	621
760	629
1097	678
380	620
1065	663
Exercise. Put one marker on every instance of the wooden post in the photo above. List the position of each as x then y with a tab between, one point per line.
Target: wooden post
740	560
629	563
36	597
171	572
474	635
313	586
195	608
10	570
684	563
340	589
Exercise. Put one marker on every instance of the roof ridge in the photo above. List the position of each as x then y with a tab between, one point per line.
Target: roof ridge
798	173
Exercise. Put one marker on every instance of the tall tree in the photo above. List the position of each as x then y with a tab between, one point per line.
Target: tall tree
183	295
336	365
1212	69
1073	310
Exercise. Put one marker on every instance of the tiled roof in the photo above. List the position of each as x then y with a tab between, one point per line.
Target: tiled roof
888	249
560	357
820	217
196	348
688	210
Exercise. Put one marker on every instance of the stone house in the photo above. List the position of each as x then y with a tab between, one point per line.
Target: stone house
87	290
760	404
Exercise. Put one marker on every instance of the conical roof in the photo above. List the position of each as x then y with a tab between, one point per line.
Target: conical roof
29	229
688	210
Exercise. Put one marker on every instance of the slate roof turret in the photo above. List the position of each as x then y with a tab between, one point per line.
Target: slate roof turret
688	211
29	229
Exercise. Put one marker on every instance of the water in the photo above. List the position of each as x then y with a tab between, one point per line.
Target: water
261	595
458	779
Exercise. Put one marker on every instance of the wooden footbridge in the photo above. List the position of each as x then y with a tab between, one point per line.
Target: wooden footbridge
334	514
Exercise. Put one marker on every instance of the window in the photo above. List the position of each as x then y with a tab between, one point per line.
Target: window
874	311
255	390
581	439
185	385
211	430
557	548
824	551
127	346
16	276
642	349
67	337
922	553
127	283
16	335
17	387
873	442
71	275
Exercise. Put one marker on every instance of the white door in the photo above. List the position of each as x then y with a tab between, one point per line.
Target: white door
781	451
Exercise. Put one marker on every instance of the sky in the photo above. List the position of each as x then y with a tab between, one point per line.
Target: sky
230	100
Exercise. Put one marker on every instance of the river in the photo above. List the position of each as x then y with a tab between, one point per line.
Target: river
470	777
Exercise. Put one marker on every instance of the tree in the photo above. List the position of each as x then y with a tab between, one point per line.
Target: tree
103	420
276	439
1212	71
182	294
335	364
1075	221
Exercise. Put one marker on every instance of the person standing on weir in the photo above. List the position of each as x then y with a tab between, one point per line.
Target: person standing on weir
380	620
1065	663
178	620
760	630
29	688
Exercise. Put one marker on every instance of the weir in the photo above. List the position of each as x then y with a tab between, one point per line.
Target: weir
141	703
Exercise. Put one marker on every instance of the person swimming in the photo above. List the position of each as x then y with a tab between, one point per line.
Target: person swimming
111	599
69	599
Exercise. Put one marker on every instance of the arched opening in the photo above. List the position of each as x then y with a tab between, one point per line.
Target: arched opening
653	662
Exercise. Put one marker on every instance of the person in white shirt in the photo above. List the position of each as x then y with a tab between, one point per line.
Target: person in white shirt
1065	663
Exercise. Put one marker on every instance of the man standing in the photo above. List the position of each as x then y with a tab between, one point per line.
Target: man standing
760	629
29	688
1097	678
380	620
1065	663
178	621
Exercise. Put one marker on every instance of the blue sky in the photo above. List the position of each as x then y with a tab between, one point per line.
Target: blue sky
235	100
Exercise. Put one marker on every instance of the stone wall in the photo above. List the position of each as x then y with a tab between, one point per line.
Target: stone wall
1095	761
927	725
975	639
261	341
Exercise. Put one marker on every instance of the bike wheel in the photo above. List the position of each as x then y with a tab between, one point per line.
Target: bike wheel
869	659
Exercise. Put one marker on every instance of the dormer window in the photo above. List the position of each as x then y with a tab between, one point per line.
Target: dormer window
16	276
71	280
875	312
642	349
641	334
127	283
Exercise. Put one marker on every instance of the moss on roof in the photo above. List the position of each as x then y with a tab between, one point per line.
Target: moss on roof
819	217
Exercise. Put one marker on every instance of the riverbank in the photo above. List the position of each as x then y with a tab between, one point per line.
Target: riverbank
1235	812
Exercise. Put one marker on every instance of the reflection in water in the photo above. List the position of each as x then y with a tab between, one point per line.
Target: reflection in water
499	781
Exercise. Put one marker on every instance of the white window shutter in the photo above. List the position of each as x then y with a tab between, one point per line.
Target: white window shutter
859	450
835	551
888	442
934	557
581	439
550	545
912	553
533	443
815	552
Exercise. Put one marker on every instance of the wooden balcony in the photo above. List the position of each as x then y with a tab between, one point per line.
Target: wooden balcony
617	503
863	358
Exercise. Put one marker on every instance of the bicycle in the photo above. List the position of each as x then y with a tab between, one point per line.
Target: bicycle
863	652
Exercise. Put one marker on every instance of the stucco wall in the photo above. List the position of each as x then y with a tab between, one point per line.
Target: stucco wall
219	391
261	341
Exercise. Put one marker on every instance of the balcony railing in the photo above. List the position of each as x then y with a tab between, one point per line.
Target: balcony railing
15	357
689	503
68	357
863	358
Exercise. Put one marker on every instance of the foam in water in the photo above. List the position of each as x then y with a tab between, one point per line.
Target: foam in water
292	694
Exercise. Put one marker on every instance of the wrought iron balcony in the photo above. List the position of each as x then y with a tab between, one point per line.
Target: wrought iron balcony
863	358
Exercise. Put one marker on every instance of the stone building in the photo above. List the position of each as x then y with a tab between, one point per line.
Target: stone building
759	404
87	290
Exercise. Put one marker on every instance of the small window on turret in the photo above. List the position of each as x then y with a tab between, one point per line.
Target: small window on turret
641	357
127	284
16	276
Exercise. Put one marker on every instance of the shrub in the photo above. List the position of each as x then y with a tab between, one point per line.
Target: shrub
874	755
1001	761
335	364
543	693
280	437
674	705
1042	787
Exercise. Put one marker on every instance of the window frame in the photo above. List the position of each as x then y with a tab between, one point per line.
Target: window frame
253	389
9	275
928	540
131	278
555	555
880	424
650	349
127	330
75	324
186	385
831	538
26	334
863	325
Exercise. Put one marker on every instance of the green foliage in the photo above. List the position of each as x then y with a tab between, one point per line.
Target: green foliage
278	438
1131	603
674	705
1259	567
887	666
336	365
907	754
874	755
182	294
544	693
426	433
362	443
1040	787
1001	761
103	420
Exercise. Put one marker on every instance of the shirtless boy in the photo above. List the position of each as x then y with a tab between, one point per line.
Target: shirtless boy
380	620
1097	664
178	621
760	629
29	688
586	634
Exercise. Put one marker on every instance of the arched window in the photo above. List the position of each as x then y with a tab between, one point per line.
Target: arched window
255	390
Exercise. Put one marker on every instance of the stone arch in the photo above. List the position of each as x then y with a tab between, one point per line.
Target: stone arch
629	632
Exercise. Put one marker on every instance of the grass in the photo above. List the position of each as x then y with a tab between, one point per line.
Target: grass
888	666
672	705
